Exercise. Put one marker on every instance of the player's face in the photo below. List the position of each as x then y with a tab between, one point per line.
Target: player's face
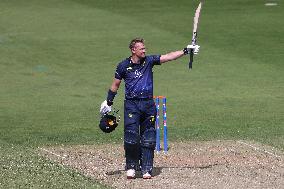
139	50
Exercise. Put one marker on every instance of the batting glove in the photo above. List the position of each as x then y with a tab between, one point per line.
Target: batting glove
105	108
195	48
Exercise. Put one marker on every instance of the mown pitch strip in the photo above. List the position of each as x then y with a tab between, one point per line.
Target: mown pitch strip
218	164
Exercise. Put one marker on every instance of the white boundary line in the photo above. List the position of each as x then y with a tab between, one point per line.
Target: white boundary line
270	4
52	153
259	149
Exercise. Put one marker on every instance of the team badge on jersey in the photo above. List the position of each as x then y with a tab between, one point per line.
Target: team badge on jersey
137	74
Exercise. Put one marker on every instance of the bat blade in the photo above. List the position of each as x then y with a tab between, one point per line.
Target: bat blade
196	17
194	32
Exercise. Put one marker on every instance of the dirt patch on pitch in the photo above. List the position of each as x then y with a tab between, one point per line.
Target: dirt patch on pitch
214	164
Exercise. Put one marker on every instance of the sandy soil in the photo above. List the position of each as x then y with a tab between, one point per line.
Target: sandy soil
213	164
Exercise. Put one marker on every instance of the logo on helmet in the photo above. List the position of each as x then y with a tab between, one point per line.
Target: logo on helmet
109	122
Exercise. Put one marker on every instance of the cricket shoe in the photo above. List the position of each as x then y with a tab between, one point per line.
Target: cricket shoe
130	173
147	176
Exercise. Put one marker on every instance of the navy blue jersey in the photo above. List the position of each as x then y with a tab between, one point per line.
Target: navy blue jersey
138	78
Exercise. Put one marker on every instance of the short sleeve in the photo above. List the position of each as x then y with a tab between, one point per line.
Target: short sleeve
155	59
119	73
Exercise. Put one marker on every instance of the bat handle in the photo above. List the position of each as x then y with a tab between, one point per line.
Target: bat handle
190	59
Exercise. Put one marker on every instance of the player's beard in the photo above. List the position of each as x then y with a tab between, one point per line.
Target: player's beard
142	55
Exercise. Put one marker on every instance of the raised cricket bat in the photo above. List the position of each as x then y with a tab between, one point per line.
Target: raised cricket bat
194	32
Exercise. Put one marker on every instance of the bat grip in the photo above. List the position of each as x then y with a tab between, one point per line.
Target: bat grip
190	59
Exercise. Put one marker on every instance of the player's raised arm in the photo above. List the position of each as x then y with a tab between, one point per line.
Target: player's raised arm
177	54
171	56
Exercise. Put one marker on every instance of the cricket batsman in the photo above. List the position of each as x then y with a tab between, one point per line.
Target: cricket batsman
139	106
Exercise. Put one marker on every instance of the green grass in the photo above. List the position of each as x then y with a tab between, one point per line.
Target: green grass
58	59
22	168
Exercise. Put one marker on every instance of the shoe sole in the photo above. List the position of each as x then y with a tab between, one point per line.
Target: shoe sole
130	177
149	177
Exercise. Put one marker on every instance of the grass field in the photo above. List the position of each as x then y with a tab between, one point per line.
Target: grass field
58	59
